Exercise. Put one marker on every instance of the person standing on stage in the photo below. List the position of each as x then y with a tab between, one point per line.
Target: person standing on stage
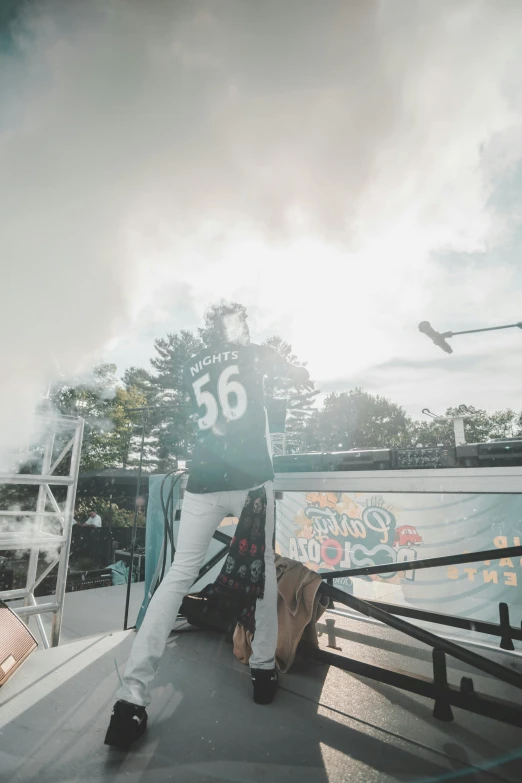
231	472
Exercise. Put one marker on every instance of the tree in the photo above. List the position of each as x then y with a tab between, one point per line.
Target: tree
126	421
173	428
104	407
300	402
91	398
142	381
482	427
356	419
169	430
137	379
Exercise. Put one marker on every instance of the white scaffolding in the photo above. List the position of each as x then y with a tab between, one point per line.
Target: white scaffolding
278	440
57	460
283	441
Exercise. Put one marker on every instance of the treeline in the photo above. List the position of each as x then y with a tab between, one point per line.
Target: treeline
351	419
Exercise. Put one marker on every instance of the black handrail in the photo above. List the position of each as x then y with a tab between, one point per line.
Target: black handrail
437	642
452	621
211	563
223	538
134	527
464	698
432	562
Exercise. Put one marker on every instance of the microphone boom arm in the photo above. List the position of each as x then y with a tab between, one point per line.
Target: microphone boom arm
486	329
439	338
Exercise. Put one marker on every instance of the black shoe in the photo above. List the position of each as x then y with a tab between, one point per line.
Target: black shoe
128	724
266	683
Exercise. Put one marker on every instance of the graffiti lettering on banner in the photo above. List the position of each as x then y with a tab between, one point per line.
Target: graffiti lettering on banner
339	531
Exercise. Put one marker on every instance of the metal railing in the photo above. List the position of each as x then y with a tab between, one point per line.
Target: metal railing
504	629
444	695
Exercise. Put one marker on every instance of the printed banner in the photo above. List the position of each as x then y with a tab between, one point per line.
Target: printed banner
329	531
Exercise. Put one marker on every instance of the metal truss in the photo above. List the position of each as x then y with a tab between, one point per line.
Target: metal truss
57	459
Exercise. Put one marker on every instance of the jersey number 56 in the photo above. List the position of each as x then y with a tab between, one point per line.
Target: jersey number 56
225	388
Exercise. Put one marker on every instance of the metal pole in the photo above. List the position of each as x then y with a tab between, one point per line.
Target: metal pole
26	611
40	510
135	523
61	577
487	329
28	479
458	430
109	548
39	623
110	513
45	573
430	562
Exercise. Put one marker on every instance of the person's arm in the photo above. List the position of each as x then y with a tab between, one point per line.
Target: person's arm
278	367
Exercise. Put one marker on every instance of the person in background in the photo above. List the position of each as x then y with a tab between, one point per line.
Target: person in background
93	520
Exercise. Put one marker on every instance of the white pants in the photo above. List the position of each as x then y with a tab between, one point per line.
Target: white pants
200	517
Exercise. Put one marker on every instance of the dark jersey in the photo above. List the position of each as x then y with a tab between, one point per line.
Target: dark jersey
232	448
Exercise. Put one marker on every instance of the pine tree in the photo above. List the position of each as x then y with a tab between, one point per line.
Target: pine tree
299	402
142	380
172	425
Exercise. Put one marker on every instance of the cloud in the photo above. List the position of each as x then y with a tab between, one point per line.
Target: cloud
480	378
307	158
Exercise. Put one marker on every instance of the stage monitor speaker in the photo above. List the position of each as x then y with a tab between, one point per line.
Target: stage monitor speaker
16	642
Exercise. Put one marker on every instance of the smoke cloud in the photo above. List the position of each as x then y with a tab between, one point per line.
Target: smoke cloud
164	143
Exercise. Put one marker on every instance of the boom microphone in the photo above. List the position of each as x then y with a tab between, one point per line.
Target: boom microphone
437	338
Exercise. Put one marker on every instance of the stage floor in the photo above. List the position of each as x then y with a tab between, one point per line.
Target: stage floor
325	725
91	612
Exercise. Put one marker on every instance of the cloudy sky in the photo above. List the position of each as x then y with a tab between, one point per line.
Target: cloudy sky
344	169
